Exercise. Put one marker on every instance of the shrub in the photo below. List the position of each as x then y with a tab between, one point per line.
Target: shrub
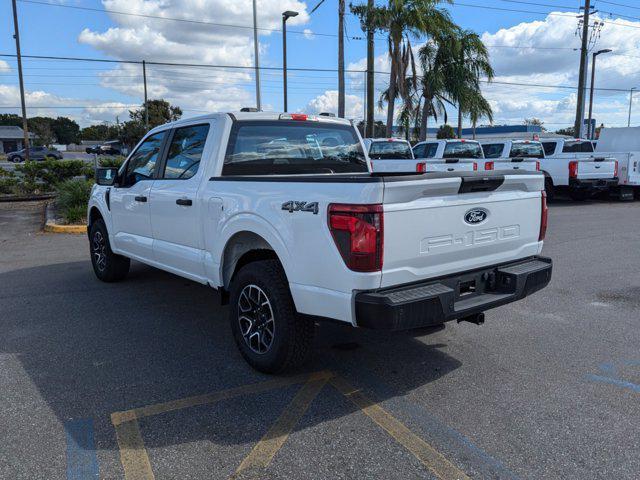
8	182
73	197
48	173
116	161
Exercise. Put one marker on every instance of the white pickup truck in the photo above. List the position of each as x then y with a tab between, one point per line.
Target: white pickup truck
512	155
571	164
457	155
624	145
281	214
392	155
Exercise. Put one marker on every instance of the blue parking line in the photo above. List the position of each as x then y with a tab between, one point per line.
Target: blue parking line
614	381
82	462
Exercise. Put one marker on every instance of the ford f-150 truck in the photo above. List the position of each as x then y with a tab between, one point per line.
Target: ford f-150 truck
457	155
512	155
282	214
392	155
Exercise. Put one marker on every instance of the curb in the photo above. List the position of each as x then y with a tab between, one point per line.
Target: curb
51	226
26	198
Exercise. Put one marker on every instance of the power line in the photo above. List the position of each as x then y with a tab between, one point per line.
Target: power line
619	4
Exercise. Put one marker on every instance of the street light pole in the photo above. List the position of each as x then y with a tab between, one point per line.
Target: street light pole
630	102
285	16
255	50
25	127
590	130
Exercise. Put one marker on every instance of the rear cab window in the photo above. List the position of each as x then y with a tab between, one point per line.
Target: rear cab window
462	150
391	149
549	148
271	147
492	150
426	150
577	146
526	150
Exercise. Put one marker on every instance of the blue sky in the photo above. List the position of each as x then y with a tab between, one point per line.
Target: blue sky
109	90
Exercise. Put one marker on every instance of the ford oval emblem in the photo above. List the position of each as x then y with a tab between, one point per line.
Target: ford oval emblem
476	216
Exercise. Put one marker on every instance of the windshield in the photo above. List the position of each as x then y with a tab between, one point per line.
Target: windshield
492	150
390	149
289	147
462	150
527	150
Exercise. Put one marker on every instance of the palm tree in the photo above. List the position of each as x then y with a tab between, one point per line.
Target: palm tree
433	96
477	107
401	20
470	63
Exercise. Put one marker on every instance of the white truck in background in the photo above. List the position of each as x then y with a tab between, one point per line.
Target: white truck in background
455	155
624	145
523	155
571	164
281	214
392	155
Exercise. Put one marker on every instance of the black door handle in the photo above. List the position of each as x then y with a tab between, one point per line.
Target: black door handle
184	201
141	199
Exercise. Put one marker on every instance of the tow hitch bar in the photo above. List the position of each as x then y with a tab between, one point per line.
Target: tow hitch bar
477	319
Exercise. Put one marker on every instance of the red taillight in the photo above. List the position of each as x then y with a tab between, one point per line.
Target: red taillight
615	169
299	116
573	169
543	217
475	167
537	166
488	165
358	231
421	167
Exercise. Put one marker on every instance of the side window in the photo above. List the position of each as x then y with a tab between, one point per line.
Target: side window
493	150
142	163
185	152
418	150
549	148
430	150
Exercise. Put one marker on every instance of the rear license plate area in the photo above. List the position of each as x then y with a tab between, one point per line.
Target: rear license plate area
466	288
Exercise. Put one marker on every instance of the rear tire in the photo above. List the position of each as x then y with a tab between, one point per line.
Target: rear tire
108	266
269	333
548	187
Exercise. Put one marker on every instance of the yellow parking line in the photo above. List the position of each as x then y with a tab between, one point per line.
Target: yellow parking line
133	455
270	444
181	403
430	457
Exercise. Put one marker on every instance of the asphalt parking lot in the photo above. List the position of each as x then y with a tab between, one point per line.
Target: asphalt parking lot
141	379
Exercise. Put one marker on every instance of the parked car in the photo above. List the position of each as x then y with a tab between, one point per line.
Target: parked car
35	153
624	145
281	214
392	155
512	155
105	149
457	155
571	164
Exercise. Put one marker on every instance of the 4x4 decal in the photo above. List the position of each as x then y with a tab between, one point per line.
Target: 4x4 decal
294	206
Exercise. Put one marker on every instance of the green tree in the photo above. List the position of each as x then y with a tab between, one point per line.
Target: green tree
100	132
41	127
131	132
403	20
160	112
10	120
446	131
65	130
470	62
566	131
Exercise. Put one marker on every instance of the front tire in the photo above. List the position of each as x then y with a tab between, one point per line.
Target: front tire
269	333
108	266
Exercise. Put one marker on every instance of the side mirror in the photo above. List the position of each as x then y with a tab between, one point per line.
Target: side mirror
106	176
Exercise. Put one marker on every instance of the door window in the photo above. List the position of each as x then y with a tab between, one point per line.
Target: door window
185	152
142	163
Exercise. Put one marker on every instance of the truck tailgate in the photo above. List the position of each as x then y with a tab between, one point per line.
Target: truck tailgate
526	165
436	225
395	165
596	168
450	165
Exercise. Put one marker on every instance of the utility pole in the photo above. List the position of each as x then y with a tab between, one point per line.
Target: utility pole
341	58
255	51
146	106
370	72
630	103
25	127
582	78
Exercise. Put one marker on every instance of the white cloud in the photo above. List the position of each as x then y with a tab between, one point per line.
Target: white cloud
328	102
194	89
4	66
308	34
